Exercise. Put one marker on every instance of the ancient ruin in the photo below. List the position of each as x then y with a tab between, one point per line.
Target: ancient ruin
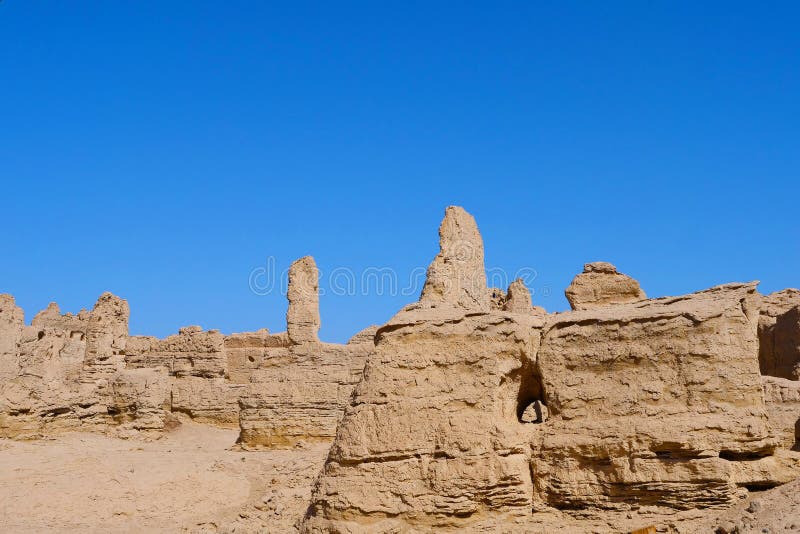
472	410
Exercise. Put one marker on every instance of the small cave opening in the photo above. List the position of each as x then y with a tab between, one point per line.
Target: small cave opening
41	334
531	406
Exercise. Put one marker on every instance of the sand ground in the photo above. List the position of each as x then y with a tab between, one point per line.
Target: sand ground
193	479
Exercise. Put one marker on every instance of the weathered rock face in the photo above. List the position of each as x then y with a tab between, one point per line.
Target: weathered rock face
497	298
51	317
106	335
652	402
298	391
302	317
299	394
646	407
249	351
474	420
779	334
207	400
191	352
601	285
68	374
457	275
138	399
782	399
366	336
12	323
432	434
518	300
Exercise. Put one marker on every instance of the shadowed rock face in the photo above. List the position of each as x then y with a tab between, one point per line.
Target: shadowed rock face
601	285
779	334
457	275
302	318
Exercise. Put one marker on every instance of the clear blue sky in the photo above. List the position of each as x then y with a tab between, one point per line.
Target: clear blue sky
163	150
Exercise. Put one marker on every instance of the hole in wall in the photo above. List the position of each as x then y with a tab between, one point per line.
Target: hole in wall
535	413
41	334
531	407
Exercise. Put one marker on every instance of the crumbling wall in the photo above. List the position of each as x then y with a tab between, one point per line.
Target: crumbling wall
300	396
249	351
67	373
298	392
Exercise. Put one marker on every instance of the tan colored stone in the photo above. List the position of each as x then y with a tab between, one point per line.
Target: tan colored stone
654	401
248	351
432	432
457	276
298	395
601	285
140	399
302	317
106	336
207	400
779	334
518	299
782	398
51	317
365	336
12	323
497	298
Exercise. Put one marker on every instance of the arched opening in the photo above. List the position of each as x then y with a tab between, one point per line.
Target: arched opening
531	406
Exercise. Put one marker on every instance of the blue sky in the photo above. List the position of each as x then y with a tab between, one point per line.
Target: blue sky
164	150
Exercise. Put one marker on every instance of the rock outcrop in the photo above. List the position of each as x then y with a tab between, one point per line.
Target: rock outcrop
471	410
69	373
432	435
106	336
302	318
191	352
298	393
457	275
655	402
601	285
616	416
300	396
518	299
